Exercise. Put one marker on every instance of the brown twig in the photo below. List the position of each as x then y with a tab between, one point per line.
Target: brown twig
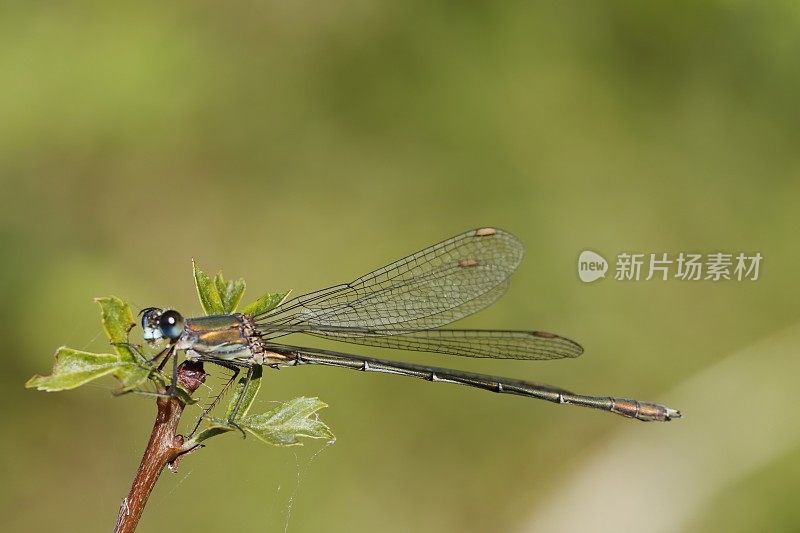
165	448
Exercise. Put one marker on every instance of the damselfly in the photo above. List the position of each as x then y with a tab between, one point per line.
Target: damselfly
399	306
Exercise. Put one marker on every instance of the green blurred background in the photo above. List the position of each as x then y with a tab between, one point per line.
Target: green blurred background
300	144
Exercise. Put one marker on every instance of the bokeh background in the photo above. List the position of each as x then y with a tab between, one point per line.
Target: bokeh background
300	144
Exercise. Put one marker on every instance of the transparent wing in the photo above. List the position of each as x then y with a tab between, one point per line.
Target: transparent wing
495	344
428	289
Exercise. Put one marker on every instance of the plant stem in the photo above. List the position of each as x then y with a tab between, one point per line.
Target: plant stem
165	447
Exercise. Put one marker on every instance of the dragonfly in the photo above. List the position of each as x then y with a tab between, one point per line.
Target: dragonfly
401	306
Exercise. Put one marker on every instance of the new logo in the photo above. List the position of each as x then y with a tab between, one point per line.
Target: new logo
591	266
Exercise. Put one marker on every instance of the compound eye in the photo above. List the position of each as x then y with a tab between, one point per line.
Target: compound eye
150	330
170	323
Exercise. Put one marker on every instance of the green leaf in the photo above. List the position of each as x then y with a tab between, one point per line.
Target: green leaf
230	292
132	375
217	427
268	302
117	321
282	426
207	292
285	424
74	368
250	392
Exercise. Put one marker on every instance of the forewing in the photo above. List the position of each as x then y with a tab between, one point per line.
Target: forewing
428	289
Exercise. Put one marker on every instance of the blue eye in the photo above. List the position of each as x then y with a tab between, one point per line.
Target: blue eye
150	329
170	323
